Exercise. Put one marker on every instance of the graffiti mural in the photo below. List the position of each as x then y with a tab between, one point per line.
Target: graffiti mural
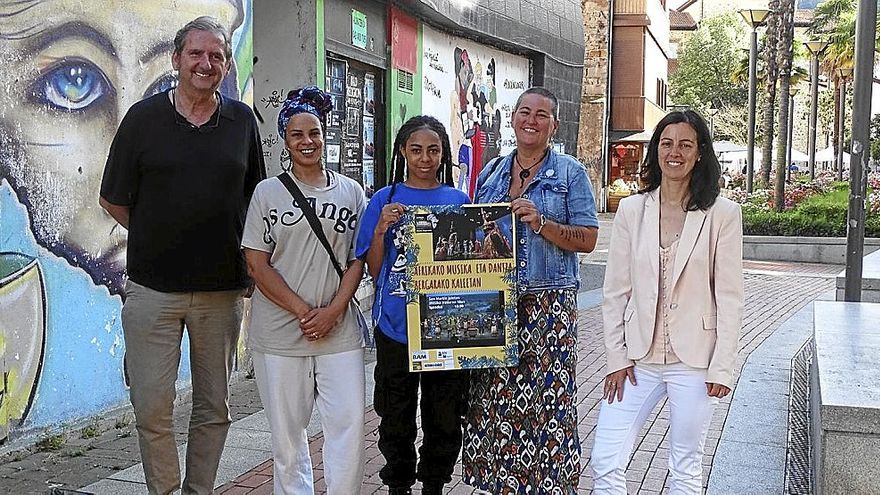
69	70
472	89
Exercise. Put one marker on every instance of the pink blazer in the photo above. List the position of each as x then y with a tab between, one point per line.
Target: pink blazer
707	286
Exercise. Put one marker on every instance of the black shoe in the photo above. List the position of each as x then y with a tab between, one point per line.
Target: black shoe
400	491
432	488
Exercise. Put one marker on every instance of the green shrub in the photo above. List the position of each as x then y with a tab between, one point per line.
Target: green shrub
822	215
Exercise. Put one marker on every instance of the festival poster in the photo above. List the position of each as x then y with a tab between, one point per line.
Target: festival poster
460	287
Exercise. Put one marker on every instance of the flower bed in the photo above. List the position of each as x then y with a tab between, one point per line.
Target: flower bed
815	208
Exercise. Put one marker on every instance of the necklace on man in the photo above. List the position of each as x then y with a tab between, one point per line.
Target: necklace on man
525	172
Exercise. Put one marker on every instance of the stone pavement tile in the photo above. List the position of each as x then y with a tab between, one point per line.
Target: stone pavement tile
237	461
256	421
246	438
751	455
769	425
133	474
115	487
747	480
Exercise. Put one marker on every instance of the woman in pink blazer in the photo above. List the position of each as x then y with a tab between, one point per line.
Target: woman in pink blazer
673	306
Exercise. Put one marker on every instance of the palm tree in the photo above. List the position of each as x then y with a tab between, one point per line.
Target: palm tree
785	56
771	74
835	21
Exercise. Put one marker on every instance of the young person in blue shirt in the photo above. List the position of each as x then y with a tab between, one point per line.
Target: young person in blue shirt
421	172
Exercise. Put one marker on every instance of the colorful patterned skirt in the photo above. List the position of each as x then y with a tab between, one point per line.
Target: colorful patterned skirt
521	433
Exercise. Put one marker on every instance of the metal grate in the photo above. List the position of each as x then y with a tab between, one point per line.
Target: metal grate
798	478
404	81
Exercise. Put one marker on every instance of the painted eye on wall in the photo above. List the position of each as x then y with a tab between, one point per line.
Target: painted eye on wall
72	85
164	83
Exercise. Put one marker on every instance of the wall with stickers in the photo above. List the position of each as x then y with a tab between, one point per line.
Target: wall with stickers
287	37
69	71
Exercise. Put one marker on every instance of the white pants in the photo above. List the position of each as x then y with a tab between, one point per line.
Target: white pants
289	388
690	409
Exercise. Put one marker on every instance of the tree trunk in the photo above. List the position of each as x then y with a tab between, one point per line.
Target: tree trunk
784	53
771	73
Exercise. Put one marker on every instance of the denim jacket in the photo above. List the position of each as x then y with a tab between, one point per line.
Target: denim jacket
562	192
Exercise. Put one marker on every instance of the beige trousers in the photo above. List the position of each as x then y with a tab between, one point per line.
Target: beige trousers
153	324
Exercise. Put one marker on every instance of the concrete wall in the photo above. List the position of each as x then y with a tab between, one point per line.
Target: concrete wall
845	398
804	249
68	73
286	44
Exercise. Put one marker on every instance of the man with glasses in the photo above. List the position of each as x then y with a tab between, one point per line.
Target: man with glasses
180	173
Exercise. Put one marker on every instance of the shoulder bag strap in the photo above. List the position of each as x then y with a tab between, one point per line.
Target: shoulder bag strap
311	216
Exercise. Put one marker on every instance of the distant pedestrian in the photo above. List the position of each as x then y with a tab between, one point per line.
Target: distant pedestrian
672	310
179	176
304	334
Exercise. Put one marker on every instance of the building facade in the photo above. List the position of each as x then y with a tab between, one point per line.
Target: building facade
70	71
639	81
384	62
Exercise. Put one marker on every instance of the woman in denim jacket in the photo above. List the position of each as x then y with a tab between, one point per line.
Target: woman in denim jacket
521	434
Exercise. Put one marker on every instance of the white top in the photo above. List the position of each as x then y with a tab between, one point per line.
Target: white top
276	225
661	351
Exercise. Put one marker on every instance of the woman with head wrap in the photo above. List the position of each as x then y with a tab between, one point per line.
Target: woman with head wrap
304	335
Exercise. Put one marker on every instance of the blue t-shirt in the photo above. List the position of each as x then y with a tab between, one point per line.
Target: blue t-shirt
389	306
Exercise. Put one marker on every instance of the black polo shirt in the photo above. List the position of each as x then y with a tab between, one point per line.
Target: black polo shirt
188	189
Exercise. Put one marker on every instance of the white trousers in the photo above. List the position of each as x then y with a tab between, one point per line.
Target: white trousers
289	388
690	412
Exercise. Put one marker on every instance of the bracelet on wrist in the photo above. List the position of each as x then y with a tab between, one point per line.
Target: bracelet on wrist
541	227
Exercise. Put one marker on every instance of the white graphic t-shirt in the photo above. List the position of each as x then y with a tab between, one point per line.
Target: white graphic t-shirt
276	225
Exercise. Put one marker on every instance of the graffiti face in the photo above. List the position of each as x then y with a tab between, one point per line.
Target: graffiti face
68	73
69	70
22	335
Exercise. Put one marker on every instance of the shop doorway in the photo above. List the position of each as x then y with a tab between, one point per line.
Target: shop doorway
355	143
623	176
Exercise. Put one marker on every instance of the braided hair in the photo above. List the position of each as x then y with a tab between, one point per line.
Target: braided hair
398	161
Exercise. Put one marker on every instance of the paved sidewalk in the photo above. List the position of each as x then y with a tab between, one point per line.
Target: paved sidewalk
102	455
774	292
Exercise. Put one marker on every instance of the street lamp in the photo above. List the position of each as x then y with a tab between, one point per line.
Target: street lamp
843	73
792	91
713	111
815	47
755	18
866	35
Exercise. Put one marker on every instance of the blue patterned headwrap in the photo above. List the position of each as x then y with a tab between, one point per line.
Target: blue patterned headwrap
309	99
